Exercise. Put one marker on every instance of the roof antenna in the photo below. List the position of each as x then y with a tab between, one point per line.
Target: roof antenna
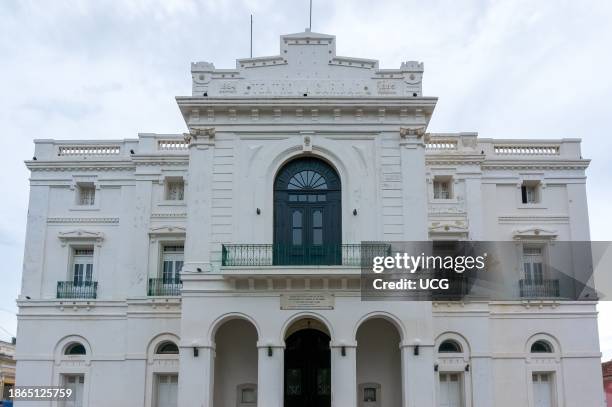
310	18
251	35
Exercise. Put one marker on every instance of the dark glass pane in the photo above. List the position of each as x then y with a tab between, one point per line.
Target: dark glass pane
449	347
317	219
541	347
312	198
303	198
297	237
294	382
293	198
369	394
322	198
323	381
168	348
297	219
75	349
307	180
317	237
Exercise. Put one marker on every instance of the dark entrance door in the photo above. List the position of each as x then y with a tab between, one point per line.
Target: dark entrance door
307	214
307	369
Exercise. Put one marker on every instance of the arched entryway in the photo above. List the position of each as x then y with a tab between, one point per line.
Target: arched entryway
307	214
307	365
235	370
379	376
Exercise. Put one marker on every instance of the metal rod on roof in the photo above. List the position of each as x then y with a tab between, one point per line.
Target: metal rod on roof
310	18
251	35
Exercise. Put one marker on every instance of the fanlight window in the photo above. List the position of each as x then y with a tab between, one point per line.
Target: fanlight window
167	348
307	180
75	349
449	347
541	347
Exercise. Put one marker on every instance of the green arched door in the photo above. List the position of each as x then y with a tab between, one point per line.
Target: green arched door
307	214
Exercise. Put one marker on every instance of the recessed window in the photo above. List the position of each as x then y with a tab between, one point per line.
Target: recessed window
530	192
75	349
167	348
82	265
449	346
442	187
248	396
172	263
532	264
86	194
175	189
541	347
369	394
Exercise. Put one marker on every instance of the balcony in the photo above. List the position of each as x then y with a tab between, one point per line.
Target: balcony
70	289
160	287
539	288
254	255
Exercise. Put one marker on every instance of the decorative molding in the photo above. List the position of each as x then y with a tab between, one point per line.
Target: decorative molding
166	230
534	233
80	235
536	165
197	135
533	219
412	131
168	215
112	221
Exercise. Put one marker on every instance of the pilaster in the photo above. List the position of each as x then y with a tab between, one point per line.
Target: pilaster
414	186
199	200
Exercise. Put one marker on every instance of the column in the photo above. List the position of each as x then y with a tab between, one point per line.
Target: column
199	200
418	384
344	375
414	186
270	374
196	377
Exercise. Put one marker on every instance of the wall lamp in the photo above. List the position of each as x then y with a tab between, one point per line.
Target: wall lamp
354	212
436	367
258	211
199	270
343	350
196	352
270	351
467	368
416	350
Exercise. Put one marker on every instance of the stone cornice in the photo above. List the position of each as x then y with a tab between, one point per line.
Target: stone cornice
453	159
520	164
63	165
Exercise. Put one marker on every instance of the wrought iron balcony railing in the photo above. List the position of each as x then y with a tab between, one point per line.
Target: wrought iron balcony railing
539	288
70	289
164	287
288	255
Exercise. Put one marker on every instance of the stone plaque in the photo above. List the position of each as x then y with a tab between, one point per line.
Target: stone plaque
307	301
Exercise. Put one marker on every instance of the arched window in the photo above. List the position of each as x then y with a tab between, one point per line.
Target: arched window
167	348
449	346
307	180
75	349
541	347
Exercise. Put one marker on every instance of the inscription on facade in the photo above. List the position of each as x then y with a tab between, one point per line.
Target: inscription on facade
306	301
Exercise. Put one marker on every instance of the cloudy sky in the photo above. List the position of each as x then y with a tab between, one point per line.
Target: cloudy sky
111	69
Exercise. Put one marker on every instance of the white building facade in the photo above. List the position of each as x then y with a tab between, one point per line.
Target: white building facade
222	267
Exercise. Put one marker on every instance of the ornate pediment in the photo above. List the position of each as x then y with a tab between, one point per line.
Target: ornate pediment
81	235
456	229
166	230
534	233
